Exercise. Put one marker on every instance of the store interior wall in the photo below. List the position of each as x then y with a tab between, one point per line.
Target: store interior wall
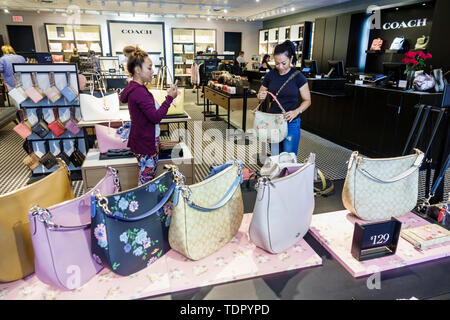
250	30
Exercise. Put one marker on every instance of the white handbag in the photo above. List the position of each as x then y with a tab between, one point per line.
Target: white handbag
160	94
96	109
18	93
377	189
397	44
274	164
283	208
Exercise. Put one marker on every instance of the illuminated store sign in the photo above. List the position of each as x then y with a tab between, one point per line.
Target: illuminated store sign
410	24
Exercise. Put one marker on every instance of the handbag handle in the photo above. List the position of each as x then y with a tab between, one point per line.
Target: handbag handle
398	177
103	202
44	216
33	79
275	99
51	77
18	79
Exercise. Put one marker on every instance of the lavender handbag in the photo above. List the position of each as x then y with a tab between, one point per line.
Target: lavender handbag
108	138
283	208
62	241
71	124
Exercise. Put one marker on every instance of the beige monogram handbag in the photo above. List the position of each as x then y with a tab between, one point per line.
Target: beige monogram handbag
208	214
377	189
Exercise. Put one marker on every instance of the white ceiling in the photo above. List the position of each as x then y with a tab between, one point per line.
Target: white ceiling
221	9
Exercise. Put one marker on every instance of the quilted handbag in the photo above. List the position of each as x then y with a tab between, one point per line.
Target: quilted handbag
48	160
56	126
68	91
18	94
31	160
270	127
96	109
422	43
129	229
206	215
376	189
376	44
283	208
22	129
16	256
72	124
52	92
34	92
40	127
61	238
108	138
77	157
62	153
397	44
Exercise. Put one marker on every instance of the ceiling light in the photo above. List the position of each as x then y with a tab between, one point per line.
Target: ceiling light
225	10
293	8
257	0
6	10
209	19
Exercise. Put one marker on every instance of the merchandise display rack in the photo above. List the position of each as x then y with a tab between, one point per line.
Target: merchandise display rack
46	106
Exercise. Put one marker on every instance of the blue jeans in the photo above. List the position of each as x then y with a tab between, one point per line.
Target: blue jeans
290	143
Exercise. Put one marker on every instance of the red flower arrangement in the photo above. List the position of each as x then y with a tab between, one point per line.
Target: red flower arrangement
416	60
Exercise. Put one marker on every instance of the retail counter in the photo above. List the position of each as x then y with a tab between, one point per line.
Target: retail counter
374	121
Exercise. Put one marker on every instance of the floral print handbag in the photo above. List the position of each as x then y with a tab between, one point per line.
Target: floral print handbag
271	127
130	229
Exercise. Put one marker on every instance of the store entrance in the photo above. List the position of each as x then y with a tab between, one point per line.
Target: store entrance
233	41
21	38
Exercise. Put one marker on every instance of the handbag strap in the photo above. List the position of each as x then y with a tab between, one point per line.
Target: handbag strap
289	79
44	216
18	79
33	79
103	202
55	113
61	146
51	77
398	177
276	100
20	116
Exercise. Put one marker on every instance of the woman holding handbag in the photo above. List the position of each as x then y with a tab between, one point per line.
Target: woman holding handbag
287	85
143	113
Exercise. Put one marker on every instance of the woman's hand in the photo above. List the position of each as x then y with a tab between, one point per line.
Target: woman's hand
173	92
262	95
291	115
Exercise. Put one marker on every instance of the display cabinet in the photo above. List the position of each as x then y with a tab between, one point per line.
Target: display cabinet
62	39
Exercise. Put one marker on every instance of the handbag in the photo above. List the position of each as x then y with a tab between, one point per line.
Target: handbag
397	44
376	189
77	157
129	229
272	127
61	238
159	94
376	44
16	256
62	154
56	126
52	92
34	92
274	164
18	94
48	159
96	109
422	43
71	124
22	129
108	138
283	208
206	215
69	92
40	127
31	160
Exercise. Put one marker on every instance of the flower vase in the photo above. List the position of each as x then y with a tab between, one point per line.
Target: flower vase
410	79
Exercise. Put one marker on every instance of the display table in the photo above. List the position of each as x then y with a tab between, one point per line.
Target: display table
334	230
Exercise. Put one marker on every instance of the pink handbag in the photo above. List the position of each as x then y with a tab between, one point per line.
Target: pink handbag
34	92
71	124
22	129
62	240
108	138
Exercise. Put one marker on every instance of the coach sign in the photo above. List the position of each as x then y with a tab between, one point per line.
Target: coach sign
148	36
405	24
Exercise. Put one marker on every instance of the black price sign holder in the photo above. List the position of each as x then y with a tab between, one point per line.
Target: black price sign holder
375	240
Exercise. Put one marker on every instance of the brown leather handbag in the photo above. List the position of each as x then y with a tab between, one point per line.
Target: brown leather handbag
16	254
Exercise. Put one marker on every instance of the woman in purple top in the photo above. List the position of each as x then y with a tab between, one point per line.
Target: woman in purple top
285	58
143	113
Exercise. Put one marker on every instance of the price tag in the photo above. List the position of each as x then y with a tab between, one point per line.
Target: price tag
359	82
375	240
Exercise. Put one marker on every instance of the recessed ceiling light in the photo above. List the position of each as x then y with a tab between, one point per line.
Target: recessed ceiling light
209	19
293	8
225	11
6	10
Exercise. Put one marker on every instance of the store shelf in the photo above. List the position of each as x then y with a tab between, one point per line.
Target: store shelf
61	39
178	42
375	51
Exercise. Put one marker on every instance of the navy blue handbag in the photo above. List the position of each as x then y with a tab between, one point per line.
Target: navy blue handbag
130	229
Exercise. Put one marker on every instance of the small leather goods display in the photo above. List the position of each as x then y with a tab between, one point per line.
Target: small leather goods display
377	189
48	159
68	92
52	92
18	94
34	92
77	157
108	138
56	126
22	129
62	154
397	44
422	43
376	44
17	256
129	229
206	215
31	160
61	238
40	128
71	124
283	208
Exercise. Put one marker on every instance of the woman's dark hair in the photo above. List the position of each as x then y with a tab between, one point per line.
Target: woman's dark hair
135	59
287	48
265	58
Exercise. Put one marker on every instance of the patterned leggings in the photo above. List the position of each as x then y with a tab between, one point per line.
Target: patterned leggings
147	165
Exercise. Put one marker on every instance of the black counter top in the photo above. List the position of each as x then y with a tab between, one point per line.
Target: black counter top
330	93
371	86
